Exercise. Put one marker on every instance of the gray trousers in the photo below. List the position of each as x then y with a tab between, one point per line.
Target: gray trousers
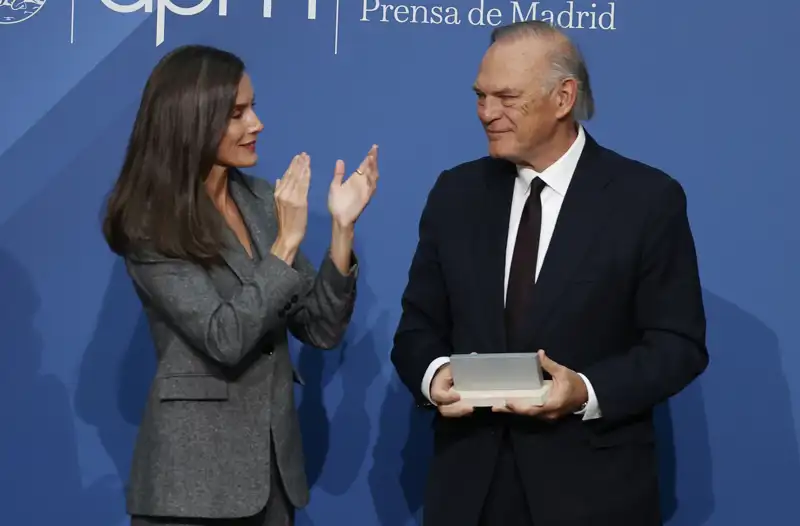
278	511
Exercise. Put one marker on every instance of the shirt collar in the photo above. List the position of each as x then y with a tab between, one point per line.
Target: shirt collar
559	174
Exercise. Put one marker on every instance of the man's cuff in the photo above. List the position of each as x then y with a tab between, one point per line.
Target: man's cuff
433	368
591	410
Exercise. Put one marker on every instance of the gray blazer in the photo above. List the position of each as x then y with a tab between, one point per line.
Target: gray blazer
223	391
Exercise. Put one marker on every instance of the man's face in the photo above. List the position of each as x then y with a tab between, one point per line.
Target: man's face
519	116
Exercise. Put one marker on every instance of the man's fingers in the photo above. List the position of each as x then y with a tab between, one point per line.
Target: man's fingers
549	365
456	409
522	408
549	411
442	381
445	396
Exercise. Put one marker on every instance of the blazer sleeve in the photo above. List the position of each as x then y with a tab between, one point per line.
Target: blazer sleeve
670	316
225	330
321	316
424	330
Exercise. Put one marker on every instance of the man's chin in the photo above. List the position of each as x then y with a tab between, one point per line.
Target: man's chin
498	151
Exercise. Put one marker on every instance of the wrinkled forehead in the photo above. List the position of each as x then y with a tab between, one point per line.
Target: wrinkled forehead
517	66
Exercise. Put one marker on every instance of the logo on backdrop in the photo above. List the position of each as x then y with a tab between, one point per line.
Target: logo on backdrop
16	11
593	15
162	6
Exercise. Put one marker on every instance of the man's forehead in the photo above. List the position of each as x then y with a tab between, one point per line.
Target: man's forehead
508	66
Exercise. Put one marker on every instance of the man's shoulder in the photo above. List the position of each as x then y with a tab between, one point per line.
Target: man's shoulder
471	174
635	174
641	188
479	167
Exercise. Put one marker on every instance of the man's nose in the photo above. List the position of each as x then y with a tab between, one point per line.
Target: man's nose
489	110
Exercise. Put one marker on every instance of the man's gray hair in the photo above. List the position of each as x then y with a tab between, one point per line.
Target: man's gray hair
566	61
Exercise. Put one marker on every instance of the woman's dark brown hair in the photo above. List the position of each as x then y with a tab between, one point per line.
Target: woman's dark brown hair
159	201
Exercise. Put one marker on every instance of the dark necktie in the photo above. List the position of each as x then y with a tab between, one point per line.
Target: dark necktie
523	268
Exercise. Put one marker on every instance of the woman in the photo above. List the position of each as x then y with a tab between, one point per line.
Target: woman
214	257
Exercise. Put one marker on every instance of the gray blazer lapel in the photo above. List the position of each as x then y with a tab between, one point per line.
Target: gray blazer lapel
255	221
258	215
235	256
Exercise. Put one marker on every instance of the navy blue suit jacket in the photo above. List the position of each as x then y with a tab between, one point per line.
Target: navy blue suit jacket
618	299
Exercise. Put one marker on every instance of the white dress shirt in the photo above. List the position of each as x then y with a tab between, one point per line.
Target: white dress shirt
557	177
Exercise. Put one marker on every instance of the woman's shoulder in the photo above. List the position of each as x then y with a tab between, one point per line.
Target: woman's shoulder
145	252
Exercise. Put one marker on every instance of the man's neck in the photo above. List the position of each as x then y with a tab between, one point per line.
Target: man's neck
554	149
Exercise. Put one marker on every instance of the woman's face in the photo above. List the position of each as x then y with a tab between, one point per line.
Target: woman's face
238	146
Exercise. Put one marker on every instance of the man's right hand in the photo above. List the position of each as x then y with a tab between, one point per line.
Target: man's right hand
447	399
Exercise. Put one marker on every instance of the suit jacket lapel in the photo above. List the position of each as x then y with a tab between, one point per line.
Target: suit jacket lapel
260	223
582	214
499	180
258	216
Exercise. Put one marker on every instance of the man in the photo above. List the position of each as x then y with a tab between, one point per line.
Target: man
552	244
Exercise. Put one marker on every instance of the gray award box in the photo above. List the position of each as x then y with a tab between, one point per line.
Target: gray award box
491	379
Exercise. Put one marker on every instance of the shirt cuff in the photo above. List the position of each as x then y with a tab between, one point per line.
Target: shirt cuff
591	410
433	368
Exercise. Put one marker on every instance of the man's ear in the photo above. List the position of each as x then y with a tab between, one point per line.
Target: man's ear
566	94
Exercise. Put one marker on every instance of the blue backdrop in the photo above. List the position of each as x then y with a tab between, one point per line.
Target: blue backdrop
703	90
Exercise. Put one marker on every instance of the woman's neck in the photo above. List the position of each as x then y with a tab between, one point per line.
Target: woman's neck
217	186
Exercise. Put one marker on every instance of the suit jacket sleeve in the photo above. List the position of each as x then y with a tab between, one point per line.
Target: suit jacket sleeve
324	313
423	333
670	316
226	330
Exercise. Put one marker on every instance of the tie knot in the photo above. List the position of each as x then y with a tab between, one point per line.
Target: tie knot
537	185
